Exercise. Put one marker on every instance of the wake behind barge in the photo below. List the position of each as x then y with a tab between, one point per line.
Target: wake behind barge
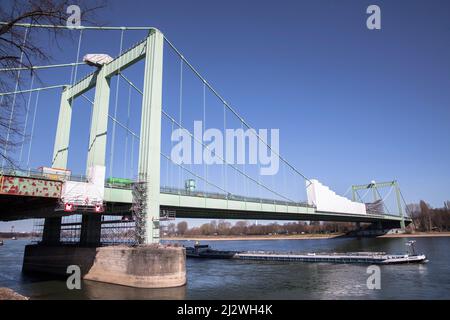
204	251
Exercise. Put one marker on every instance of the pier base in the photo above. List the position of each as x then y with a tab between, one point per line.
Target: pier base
152	266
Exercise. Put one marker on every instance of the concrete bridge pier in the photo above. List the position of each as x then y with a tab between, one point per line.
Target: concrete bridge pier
141	266
379	228
91	228
52	231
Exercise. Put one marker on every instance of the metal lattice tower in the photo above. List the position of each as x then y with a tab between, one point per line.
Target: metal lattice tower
138	209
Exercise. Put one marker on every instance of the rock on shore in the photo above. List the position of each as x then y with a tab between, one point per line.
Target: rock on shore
8	294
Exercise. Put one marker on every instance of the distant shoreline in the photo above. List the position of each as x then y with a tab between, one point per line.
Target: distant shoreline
18	238
417	235
287	237
260	237
302	237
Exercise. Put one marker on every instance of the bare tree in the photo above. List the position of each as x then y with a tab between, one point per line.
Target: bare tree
182	227
20	48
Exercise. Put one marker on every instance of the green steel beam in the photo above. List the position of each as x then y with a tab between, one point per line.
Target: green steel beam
126	59
150	142
61	146
99	122
82	86
377	184
120	63
399	204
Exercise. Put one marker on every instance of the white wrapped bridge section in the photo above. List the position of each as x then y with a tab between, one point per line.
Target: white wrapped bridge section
87	193
327	200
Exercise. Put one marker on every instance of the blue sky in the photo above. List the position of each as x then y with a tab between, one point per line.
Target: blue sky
352	104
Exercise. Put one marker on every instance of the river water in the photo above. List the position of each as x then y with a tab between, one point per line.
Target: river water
230	279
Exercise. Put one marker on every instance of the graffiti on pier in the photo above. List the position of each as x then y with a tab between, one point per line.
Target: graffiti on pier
32	187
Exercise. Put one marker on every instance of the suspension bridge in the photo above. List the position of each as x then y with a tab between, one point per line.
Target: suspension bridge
53	192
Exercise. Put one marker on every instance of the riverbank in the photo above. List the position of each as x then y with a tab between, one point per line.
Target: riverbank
416	235
259	237
8	294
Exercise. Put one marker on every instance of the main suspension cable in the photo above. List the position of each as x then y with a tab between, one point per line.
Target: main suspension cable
231	108
221	158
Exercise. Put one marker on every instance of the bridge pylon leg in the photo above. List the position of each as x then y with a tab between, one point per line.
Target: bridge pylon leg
61	146
150	134
99	122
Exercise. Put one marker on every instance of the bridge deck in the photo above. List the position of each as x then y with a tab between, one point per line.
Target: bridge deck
197	206
17	205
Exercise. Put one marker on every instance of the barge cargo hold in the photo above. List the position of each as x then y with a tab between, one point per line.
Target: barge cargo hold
363	257
205	252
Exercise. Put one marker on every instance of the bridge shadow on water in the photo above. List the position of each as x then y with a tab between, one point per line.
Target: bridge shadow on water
45	287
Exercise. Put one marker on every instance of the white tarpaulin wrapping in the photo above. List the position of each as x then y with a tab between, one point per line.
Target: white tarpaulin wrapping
86	193
97	59
327	200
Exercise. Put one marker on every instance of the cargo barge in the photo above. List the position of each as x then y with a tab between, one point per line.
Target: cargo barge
354	257
205	252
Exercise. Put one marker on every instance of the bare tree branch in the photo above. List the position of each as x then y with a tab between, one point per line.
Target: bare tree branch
15	53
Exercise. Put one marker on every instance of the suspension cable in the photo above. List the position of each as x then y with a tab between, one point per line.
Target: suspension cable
180	173
114	119
196	175
111	158
231	108
126	137
132	156
32	128
26	118
406	206
51	26
348	190
382	200
62	65
221	158
224	171
80	37
171	145
130	83
205	167
14	98
33	90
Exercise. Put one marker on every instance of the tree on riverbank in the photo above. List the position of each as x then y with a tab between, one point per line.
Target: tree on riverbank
426	218
225	228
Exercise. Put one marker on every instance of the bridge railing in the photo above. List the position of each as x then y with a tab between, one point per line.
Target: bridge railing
212	195
229	196
38	174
